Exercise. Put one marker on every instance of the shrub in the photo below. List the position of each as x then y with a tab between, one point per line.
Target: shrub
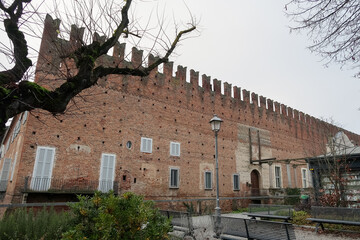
299	218
106	216
241	210
27	224
292	192
189	208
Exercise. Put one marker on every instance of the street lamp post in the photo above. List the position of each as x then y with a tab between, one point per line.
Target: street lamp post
215	126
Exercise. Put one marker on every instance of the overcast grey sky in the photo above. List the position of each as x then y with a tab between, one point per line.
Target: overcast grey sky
247	43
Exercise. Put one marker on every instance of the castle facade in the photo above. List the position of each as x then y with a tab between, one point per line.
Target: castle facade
151	135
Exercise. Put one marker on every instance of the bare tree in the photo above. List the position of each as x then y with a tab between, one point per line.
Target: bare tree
334	27
332	171
109	18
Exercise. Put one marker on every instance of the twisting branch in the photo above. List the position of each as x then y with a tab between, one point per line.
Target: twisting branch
334	27
103	71
18	95
22	62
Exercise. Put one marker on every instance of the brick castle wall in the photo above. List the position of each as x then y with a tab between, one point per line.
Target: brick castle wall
166	108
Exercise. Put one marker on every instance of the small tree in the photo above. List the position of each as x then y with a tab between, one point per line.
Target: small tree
332	171
106	216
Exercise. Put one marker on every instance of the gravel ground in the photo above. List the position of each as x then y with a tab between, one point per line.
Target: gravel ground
309	233
204	230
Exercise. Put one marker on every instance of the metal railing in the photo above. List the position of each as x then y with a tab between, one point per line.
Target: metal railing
181	221
257	192
74	185
272	209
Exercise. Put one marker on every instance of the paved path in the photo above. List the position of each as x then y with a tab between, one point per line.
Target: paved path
204	230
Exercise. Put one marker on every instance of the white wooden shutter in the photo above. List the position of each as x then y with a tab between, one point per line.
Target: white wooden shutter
17	128
107	171
5	174
2	151
146	145
13	167
143	145
174	149
304	177
25	115
149	145
43	169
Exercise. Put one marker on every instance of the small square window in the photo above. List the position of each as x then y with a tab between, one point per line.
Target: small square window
146	145
236	182
174	178
175	149
208	180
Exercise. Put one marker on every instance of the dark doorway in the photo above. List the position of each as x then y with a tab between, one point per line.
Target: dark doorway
255	185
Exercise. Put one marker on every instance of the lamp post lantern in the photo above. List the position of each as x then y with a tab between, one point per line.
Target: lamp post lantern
215	126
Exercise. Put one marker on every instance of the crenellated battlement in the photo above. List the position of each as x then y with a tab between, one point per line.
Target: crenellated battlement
54	51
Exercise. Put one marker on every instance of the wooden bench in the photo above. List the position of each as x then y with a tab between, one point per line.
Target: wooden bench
334	215
180	221
270	211
238	228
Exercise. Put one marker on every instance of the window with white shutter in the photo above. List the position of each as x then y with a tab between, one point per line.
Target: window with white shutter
146	145
174	178
2	151
17	128
44	161
13	168
107	172
174	149
24	118
304	177
236	181
7	145
5	174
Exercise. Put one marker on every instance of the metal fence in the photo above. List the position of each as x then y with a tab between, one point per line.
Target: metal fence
195	206
181	221
336	213
270	209
206	206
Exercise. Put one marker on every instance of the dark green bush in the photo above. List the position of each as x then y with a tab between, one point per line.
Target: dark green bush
299	218
292	200
106	216
241	210
27	225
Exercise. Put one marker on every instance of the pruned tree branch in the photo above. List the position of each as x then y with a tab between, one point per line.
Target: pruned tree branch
18	95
